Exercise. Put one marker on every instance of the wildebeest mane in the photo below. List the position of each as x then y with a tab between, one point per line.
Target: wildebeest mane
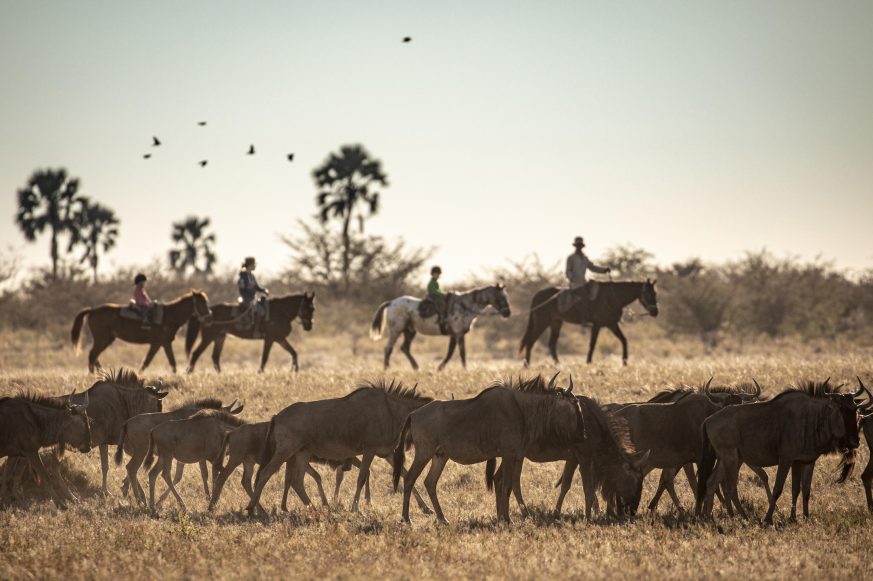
394	388
206	402
815	389
123	376
671	394
224	416
535	384
615	444
43	400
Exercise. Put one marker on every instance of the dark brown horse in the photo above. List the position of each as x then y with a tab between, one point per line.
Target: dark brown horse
282	311
107	325
604	311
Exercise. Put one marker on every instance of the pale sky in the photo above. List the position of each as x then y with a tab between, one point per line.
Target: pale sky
506	128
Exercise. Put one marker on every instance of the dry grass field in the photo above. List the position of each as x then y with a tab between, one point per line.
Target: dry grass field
112	537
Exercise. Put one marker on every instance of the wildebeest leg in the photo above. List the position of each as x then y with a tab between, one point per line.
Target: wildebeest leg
217	350
588	488
168	350
566	482
653	504
516	487
389	347
689	475
616	330
132	467
287	486
313	473
340	474
806	487
166	473
554	334
796	478
418	464
595	331
198	351
287	347
452	342
462	350
867	478
96	349
363	474
265	354
781	474
104	467
177	478
357	464
153	349
765	480
503	487
298	465
430	485
61	483
264	474
225	473
38	467
422	505
204	474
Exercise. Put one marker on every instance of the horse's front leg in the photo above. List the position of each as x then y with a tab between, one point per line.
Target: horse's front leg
268	344
287	347
616	330
452	342
153	349
462	350
168	349
595	331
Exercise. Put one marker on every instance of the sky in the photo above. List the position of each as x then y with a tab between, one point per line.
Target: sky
506	128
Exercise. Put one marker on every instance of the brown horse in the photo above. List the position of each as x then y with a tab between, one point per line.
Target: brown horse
282	311
107	325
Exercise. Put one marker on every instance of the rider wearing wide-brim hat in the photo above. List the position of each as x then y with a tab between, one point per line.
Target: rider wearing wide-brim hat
578	266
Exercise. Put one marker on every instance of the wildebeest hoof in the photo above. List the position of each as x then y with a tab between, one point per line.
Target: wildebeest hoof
426	510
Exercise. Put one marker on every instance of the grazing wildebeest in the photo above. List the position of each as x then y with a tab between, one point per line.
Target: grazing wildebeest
134	440
867	428
116	397
611	464
506	421
401	315
282	311
245	445
30	422
189	440
365	422
107	324
790	431
604	311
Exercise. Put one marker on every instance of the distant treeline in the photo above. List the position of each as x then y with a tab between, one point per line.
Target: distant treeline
758	296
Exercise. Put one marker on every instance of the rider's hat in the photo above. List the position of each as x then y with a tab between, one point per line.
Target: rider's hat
436	270
578	242
139	278
249	261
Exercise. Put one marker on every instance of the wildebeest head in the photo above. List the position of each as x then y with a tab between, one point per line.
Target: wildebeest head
844	418
569	414
649	297
725	396
307	310
76	428
625	479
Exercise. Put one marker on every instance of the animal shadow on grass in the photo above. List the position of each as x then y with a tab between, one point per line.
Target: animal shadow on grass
30	493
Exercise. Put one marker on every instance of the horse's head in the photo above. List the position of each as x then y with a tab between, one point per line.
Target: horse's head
201	306
498	299
649	297
307	310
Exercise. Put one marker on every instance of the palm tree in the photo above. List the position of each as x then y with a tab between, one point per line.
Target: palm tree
96	229
193	246
346	184
47	202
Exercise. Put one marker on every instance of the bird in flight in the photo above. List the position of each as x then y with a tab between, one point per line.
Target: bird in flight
155	142
203	163
146	156
201	123
251	150
407	39
290	157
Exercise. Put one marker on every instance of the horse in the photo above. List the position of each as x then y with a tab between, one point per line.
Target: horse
401	315
604	311
282	311
107	325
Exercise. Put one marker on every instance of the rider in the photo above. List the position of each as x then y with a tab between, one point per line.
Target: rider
577	266
142	303
248	286
439	299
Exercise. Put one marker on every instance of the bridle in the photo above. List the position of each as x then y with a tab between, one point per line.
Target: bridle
200	316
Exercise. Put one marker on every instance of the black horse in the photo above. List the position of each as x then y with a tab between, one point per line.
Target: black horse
282	311
604	311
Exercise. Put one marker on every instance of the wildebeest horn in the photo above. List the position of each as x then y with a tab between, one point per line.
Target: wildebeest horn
707	385
640	459
570	388
237	410
861	389
85	404
552	380
757	387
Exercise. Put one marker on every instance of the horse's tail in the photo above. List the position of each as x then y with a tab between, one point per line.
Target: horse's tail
399	452
119	451
490	466
191	334
76	332
377	327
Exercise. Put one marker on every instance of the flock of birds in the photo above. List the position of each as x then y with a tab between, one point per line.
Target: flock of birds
251	151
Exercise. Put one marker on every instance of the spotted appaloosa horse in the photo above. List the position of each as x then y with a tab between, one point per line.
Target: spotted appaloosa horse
401	316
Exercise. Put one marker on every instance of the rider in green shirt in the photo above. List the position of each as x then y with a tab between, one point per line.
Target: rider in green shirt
438	297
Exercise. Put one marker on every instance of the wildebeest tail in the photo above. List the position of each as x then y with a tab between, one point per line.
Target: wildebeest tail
218	463
490	467
399	452
76	332
191	334
378	324
704	470
119	451
150	457
269	446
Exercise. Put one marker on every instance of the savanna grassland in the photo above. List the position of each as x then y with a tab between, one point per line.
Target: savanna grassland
114	538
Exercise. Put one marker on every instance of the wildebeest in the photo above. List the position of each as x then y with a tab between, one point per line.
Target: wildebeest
107	325
790	431
402	315
30	422
198	438
507	421
604	311
116	397
365	422
611	465
283	310
245	445
134	439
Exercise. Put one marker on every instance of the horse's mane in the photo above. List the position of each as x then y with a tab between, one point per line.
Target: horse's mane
223	415
206	402
122	376
43	400
187	295
394	388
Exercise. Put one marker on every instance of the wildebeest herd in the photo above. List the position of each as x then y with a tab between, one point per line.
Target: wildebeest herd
613	446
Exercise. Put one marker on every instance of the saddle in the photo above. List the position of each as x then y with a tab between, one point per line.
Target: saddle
429	308
153	314
581	297
252	316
